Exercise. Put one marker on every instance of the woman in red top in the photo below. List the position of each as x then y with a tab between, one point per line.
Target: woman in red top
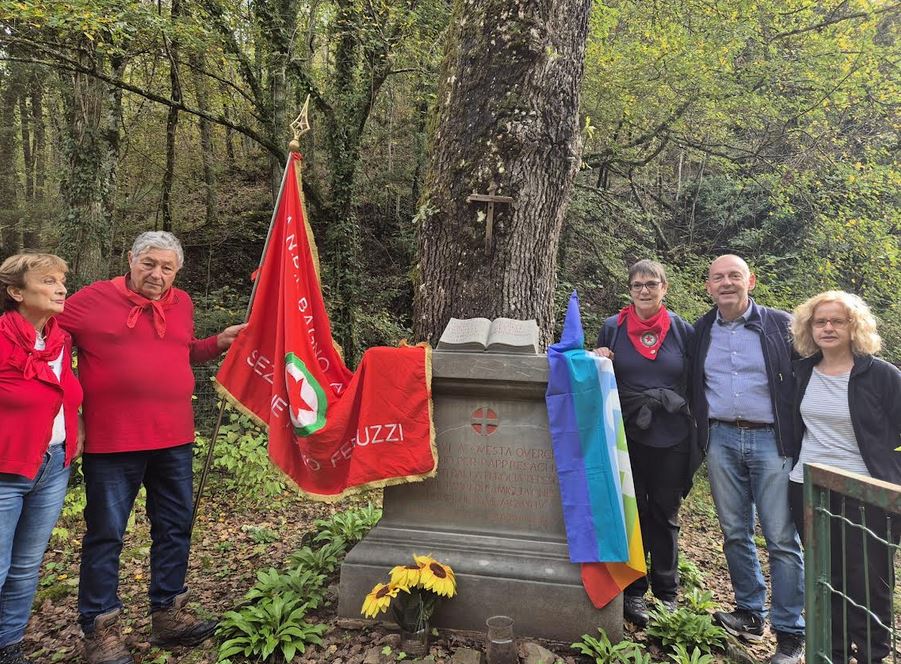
39	400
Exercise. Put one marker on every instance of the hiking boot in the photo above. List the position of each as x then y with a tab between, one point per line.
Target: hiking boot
12	654
104	645
178	626
789	648
635	610
741	623
669	605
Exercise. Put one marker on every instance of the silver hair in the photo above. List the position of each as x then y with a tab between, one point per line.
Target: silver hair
158	240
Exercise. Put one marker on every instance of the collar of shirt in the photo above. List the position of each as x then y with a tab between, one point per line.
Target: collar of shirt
741	320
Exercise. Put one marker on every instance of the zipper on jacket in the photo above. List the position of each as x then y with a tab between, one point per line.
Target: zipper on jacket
766	358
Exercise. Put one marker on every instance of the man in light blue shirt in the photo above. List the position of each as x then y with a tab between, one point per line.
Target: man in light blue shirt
742	391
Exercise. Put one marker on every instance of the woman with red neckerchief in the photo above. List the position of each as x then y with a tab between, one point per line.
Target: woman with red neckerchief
39	400
648	345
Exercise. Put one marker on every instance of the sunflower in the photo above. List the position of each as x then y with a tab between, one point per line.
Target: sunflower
436	577
379	599
406	576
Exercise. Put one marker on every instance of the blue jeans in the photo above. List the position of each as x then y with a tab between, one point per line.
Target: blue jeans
112	482
28	511
746	470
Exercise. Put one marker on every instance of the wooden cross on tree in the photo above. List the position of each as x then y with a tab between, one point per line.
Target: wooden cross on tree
491	199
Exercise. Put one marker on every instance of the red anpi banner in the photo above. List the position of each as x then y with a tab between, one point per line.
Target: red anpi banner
332	431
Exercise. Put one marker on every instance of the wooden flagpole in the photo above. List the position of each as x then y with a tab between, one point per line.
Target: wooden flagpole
299	127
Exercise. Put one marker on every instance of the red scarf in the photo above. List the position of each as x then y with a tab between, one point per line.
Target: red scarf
33	363
142	304
646	335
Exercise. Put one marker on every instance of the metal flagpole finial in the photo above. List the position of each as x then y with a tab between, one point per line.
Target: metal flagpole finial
300	126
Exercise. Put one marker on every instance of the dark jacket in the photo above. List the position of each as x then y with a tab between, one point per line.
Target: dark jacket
641	405
773	327
874	399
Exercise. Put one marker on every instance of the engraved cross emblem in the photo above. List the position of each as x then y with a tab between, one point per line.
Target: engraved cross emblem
491	199
484	421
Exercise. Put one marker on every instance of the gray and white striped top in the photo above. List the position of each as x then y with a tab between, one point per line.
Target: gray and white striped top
829	438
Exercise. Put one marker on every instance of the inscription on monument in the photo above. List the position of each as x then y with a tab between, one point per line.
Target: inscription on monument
501	482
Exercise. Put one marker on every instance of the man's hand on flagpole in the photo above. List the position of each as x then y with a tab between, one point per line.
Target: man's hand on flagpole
227	337
603	351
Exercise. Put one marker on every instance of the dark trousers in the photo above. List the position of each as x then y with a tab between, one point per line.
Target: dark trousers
112	482
659	477
849	624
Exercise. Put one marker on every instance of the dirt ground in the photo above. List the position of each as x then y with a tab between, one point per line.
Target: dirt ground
235	538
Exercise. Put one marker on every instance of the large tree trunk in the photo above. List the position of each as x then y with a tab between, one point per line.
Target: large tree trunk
171	123
93	118
10	212
206	143
38	207
507	118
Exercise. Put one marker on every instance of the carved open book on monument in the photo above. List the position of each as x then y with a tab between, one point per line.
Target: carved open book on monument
501	335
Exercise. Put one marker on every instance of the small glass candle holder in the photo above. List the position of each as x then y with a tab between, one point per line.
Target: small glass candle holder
501	649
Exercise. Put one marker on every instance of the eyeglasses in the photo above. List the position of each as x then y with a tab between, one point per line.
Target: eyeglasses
637	286
837	323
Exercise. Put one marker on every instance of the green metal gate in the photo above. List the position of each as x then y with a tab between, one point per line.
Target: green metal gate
851	520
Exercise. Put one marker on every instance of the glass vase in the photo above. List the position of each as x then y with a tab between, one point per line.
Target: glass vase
415	644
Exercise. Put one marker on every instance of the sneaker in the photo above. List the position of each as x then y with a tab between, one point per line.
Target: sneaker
635	610
12	654
178	626
104	645
741	623
789	648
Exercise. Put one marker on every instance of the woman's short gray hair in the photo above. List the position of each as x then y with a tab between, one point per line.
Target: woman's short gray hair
158	240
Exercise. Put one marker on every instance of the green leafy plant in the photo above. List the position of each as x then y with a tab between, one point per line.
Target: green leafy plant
261	534
685	627
347	527
302	582
699	601
323	560
274	626
682	656
606	652
242	458
690	575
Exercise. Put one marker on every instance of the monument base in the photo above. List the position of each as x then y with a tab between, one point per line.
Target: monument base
493	513
531	581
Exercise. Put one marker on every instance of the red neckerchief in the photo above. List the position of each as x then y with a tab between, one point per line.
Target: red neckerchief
646	335
33	363
142	304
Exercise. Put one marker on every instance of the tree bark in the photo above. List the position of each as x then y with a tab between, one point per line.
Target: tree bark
206	143
10	212
39	207
93	120
507	117
171	123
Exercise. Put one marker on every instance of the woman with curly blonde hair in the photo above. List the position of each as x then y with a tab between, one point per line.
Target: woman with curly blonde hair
848	410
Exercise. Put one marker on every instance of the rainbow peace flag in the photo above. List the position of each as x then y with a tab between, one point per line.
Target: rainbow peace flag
595	475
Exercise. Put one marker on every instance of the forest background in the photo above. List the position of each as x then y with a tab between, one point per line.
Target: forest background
768	128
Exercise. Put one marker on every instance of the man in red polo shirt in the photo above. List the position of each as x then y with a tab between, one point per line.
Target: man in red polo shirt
135	339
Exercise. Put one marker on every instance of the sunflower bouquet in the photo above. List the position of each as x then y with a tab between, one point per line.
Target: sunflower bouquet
415	589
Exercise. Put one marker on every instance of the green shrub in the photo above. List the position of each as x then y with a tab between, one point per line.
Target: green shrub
690	575
303	583
323	560
274	626
347	527
681	656
685	627
605	652
242	457
699	601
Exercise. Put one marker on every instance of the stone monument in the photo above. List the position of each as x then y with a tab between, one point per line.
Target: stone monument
493	512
